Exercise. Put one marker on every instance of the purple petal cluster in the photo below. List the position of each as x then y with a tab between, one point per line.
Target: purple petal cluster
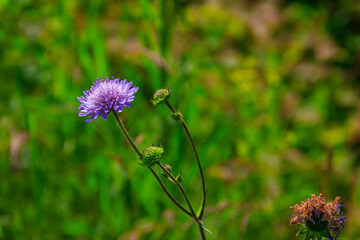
105	95
337	224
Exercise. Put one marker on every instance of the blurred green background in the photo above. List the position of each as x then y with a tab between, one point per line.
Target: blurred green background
269	90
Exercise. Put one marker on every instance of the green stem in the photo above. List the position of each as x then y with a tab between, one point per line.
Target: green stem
167	192
197	160
123	129
197	220
132	143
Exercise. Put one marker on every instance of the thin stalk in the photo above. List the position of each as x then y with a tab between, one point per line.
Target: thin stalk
201	214
197	220
167	192
123	129
132	143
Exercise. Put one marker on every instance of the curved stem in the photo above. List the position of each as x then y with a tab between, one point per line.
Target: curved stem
123	129
197	220
169	105
201	214
167	192
132	143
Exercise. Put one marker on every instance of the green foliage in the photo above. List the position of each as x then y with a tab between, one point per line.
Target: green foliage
268	89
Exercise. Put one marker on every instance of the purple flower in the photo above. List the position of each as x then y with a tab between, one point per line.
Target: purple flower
319	219
105	95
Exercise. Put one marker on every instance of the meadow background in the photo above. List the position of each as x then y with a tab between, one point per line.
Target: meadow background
269	90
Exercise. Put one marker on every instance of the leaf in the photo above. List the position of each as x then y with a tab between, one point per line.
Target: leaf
207	230
326	234
179	178
318	236
310	235
301	232
200	208
167	177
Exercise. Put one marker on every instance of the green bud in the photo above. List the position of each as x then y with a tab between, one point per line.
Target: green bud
176	116
160	96
179	178
152	155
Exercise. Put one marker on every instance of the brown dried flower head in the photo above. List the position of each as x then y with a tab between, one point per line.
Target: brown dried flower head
319	217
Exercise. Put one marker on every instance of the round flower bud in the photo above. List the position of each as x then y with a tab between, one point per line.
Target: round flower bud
152	155
160	96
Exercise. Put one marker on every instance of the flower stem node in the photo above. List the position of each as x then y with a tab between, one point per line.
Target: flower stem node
179	178
176	116
160	96
152	155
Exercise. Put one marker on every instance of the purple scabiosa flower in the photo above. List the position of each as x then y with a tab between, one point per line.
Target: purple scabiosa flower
105	95
318	218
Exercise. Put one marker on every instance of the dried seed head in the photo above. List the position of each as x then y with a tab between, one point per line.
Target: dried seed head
319	218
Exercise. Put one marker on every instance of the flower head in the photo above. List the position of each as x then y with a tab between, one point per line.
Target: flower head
319	218
160	96
105	95
152	155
